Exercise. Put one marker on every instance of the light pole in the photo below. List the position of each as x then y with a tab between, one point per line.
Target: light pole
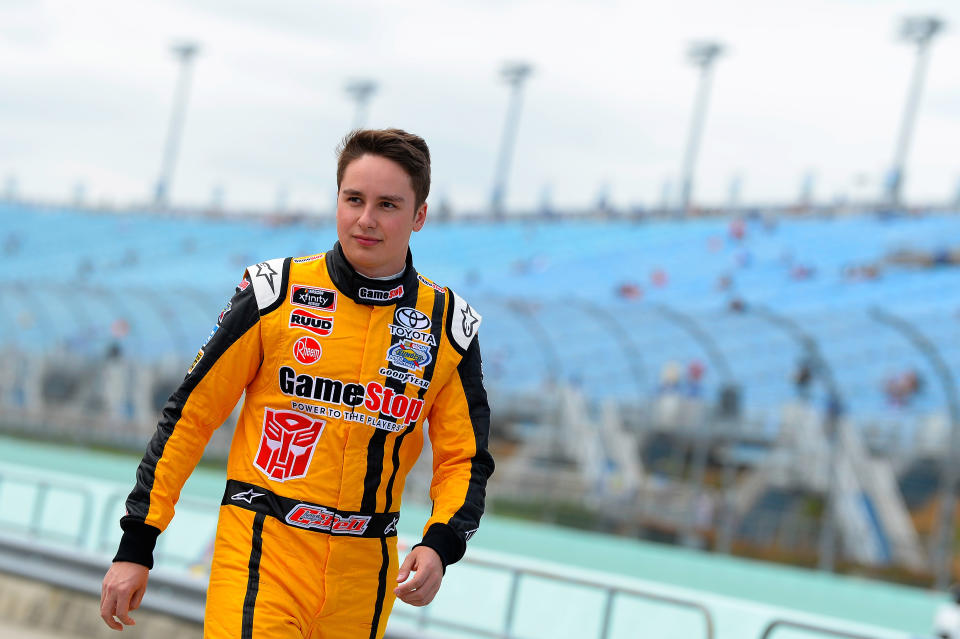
515	74
702	55
361	91
918	30
185	52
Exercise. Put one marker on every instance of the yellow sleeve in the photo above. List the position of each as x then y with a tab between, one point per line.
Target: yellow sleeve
226	363
459	425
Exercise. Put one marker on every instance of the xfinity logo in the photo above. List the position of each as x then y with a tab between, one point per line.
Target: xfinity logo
313	297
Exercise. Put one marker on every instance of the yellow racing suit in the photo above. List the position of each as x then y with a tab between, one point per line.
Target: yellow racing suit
341	374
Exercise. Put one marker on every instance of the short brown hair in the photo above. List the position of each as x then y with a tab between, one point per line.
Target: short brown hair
406	149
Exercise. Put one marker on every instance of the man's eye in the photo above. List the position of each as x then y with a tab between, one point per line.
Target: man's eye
353	199
389	205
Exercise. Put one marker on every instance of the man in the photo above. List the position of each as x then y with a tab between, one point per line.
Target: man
343	357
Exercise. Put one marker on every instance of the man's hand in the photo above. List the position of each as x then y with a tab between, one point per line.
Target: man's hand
428	569
122	591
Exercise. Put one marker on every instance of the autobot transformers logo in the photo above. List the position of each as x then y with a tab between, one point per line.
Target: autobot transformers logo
287	444
307	350
320	518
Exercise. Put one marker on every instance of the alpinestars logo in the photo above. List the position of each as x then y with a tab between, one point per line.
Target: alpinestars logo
247	496
267	272
469	321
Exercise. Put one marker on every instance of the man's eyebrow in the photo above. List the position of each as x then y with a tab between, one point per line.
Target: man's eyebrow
387	197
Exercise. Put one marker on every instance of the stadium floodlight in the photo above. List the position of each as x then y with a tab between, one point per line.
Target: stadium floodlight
920	31
185	51
361	90
700	54
514	74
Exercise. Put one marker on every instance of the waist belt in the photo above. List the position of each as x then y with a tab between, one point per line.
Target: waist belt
301	514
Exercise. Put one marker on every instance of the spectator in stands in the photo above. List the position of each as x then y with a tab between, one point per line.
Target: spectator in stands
737	229
941	256
802	378
946	622
695	372
670	382
802	272
629	291
902	388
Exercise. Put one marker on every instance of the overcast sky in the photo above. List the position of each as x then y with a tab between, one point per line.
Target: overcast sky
86	90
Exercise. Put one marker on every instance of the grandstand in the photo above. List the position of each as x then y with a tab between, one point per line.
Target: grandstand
645	375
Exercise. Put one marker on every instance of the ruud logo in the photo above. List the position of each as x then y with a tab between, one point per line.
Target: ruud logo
313	297
412	318
312	322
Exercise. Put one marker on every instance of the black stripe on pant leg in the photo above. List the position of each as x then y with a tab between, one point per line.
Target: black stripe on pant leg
253	577
381	588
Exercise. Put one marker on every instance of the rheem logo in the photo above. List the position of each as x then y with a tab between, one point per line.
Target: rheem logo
307	350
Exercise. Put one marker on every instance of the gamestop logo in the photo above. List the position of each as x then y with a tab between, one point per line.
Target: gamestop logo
312	322
313	297
380	296
320	518
307	350
373	396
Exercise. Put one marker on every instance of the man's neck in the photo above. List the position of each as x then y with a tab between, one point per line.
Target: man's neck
383	277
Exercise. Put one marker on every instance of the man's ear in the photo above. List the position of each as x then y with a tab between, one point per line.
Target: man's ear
420	217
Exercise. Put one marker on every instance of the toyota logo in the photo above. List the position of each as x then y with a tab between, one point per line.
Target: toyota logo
412	318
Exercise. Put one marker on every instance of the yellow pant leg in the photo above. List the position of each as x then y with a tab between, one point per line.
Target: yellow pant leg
360	577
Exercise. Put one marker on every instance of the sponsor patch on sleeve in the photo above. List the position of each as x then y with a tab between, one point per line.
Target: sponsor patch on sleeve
464	323
196	360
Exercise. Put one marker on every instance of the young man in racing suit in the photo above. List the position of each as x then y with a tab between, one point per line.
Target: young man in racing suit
343	356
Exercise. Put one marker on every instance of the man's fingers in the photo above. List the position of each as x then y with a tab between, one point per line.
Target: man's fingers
137	598
107	608
409	586
406	567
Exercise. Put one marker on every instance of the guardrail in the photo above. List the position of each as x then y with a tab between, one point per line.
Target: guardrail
822	630
517	573
35	526
183	597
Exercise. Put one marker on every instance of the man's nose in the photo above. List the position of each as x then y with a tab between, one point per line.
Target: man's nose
367	218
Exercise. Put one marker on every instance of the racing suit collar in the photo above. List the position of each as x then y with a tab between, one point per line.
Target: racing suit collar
364	290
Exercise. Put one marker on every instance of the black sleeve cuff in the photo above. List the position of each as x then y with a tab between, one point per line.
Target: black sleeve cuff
445	542
137	542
